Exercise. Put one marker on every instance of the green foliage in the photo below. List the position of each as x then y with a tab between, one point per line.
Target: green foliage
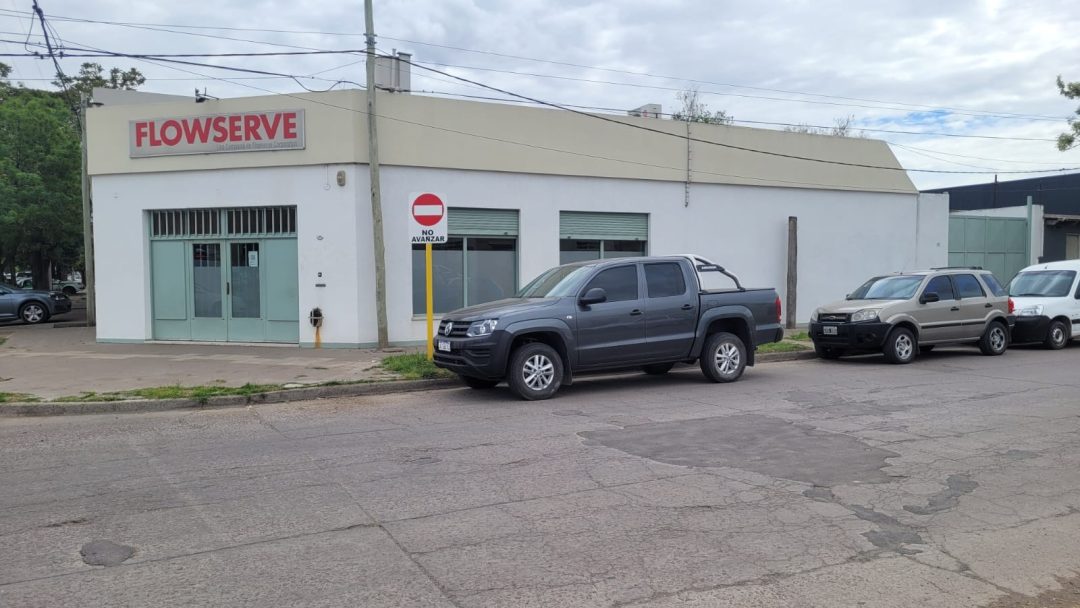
40	158
92	75
17	397
201	394
1070	90
782	347
843	127
414	367
693	110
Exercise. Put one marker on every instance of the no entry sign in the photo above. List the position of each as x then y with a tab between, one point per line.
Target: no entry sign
427	223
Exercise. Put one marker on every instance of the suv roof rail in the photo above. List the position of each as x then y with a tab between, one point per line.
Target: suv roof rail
957	268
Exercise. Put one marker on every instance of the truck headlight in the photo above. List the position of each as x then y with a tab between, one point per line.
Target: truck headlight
868	314
482	328
814	315
1030	311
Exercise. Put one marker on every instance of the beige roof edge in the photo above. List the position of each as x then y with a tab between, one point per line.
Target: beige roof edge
421	131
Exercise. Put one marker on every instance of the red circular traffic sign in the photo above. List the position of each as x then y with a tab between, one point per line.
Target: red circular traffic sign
428	209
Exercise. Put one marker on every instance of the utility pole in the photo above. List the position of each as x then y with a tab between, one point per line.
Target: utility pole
373	170
88	226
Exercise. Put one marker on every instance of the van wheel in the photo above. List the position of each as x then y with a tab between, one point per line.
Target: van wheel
826	352
724	357
479	383
658	369
994	340
536	371
900	346
1057	336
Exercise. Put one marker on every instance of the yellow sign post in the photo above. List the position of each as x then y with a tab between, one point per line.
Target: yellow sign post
430	305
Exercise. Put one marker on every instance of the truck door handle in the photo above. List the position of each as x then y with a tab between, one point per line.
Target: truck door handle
988	305
955	308
635	312
687	306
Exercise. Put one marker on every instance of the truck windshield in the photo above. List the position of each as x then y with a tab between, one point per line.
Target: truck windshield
897	287
1042	284
558	282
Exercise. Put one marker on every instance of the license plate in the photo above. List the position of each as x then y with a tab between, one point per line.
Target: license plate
829	330
443	345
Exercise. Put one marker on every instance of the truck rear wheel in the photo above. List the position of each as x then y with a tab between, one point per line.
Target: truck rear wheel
724	357
536	371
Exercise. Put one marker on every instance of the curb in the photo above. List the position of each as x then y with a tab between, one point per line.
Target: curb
48	408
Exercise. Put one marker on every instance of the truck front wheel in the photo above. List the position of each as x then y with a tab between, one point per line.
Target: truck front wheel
536	371
724	357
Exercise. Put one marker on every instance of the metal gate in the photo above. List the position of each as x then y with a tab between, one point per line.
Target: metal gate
225	275
998	244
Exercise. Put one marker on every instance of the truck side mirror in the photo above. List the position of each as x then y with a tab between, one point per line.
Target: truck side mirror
927	298
596	295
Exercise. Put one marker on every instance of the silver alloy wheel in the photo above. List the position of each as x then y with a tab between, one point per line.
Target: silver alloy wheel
727	358
538	372
1057	335
33	313
904	347
997	338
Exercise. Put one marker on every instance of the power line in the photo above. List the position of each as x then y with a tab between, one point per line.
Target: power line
706	141
909	106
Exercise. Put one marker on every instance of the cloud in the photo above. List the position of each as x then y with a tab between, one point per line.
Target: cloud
982	55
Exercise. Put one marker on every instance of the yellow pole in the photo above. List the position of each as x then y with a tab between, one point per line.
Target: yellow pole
430	304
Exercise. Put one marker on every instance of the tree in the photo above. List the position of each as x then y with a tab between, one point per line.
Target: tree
1070	90
694	110
92	75
842	127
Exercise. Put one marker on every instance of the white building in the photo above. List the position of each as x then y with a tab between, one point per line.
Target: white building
240	237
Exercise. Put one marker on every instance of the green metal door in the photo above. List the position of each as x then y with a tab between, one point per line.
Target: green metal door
998	244
241	286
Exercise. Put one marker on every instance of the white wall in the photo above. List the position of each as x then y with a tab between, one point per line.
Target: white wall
844	237
932	246
328	222
1038	226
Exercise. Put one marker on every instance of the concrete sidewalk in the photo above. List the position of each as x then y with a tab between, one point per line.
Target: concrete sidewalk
50	362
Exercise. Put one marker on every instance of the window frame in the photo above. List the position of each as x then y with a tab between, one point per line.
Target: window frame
959	293
637	277
465	267
680	272
952	287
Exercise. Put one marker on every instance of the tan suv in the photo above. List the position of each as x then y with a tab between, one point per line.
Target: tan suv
905	313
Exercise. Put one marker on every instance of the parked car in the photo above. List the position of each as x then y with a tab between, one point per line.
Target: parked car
31	306
905	313
646	313
69	288
1047	299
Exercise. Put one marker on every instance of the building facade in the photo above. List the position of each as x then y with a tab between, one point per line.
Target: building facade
231	220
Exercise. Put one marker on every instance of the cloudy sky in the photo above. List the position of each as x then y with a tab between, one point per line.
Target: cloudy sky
942	70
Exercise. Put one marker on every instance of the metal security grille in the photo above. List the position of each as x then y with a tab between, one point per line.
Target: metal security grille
184	223
242	221
262	221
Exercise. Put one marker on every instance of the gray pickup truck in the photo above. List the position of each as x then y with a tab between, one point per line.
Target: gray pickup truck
644	313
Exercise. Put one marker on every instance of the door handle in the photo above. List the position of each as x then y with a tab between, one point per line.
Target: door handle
635	312
228	288
988	305
687	306
955	308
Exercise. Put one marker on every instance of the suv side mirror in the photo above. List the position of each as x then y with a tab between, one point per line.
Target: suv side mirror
927	298
596	295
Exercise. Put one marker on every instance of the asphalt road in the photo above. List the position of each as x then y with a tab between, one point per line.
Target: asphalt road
951	482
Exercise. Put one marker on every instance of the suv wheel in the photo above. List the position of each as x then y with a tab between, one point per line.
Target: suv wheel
536	371
994	340
479	383
724	357
1057	336
900	346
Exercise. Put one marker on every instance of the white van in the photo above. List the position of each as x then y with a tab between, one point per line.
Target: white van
1047	303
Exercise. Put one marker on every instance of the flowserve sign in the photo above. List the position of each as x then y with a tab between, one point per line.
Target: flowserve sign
428	224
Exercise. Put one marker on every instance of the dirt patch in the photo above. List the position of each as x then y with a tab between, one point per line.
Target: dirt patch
1066	597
